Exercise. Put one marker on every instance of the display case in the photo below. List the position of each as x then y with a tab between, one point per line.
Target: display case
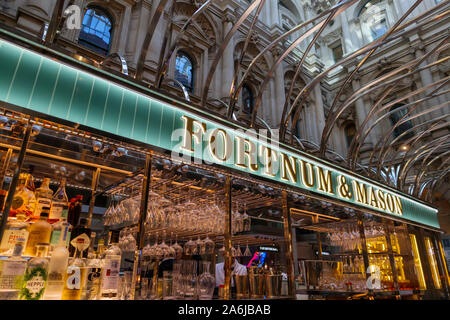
96	217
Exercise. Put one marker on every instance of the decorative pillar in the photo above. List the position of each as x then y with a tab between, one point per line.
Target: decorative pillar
288	245
228	253
361	111
227	59
280	93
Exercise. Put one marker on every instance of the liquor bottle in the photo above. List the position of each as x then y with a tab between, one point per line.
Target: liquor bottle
35	279
60	231
70	213
60	204
94	273
43	197
78	230
16	228
39	232
75	212
75	278
111	269
24	201
57	268
12	271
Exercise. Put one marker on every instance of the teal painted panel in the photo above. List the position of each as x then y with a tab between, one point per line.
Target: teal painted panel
62	93
112	110
24	80
81	98
43	90
126	119
166	127
94	114
141	119
155	123
9	60
65	92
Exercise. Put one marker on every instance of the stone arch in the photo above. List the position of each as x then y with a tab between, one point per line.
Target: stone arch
262	65
300	83
203	27
293	10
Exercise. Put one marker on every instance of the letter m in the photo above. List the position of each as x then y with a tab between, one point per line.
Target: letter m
361	192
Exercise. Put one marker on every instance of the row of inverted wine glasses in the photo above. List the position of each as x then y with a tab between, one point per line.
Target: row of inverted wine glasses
122	211
347	237
163	250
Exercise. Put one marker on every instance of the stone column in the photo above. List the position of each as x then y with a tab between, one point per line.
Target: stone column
319	122
426	78
124	32
274	13
227	59
280	93
362	110
348	40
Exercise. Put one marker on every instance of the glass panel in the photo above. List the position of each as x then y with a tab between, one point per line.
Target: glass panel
96	31
184	71
404	261
431	251
247	97
443	259
417	262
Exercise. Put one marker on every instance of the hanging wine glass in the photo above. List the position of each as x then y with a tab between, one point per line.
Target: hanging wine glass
178	249
238	251
209	245
247	252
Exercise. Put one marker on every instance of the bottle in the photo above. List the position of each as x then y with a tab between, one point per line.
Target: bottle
75	278
39	232
43	197
12	272
74	214
16	228
79	230
24	201
111	269
70	213
35	279
94	273
57	268
60	204
60	230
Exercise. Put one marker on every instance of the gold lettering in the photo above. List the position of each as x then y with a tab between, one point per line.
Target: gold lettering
372	198
360	191
398	206
390	205
325	182
242	154
214	143
189	133
289	166
380	200
269	158
308	182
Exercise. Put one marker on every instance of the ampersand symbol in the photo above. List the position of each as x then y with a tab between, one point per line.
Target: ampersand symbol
344	189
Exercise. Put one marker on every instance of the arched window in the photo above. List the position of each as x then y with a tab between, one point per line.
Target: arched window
396	117
350	131
96	31
248	99
373	17
184	70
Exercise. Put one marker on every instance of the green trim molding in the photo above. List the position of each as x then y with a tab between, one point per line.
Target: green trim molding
33	81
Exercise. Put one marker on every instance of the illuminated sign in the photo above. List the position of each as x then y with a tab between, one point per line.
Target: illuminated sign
35	82
228	147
